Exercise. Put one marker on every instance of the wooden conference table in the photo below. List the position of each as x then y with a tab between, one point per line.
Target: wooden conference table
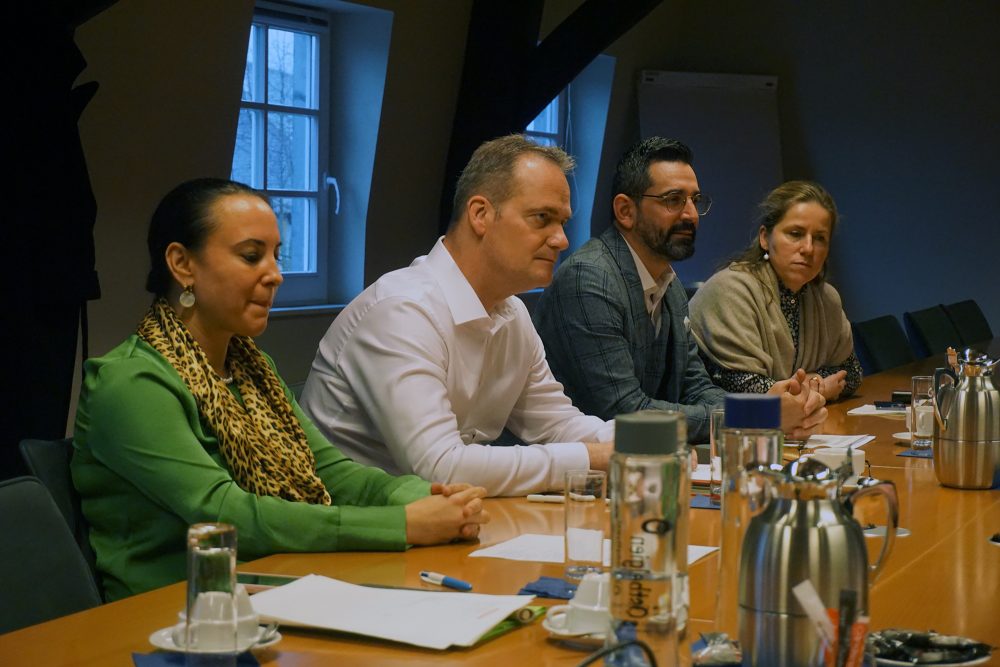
945	575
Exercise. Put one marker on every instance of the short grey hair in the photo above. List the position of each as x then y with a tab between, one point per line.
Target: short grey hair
490	170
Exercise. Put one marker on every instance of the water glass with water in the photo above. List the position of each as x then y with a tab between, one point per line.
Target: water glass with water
922	412
716	423
211	612
586	521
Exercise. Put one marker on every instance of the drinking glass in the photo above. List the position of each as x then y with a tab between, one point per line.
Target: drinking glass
922	412
586	521
717	423
210	620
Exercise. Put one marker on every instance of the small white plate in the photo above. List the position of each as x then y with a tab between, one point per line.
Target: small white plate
879	531
898	663
561	633
163	638
902	435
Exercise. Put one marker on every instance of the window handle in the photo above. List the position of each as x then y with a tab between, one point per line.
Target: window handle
336	189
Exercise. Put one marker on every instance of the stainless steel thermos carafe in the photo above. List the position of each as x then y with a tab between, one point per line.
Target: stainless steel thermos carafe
805	531
967	428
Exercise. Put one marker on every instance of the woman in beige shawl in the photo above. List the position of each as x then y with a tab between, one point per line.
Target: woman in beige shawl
770	311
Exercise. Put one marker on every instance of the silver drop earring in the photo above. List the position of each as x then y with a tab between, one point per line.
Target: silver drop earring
186	298
766	257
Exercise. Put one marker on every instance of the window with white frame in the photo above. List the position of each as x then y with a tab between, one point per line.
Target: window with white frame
280	138
312	159
575	120
549	127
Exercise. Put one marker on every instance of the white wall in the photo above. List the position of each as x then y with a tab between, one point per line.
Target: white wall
170	76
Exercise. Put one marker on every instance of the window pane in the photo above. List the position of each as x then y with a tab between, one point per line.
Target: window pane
291	150
543	140
253	75
297	226
548	120
248	162
291	69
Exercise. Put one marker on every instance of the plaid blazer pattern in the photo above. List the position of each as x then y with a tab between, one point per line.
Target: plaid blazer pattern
602	346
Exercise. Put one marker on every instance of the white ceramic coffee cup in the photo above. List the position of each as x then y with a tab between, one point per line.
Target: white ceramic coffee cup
587	613
212	628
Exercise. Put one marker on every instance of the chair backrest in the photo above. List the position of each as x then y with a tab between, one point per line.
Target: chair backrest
42	573
691	288
970	322
931	331
48	460
880	344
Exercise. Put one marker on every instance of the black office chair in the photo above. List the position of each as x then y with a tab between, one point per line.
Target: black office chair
48	460
970	322
42	573
692	288
880	344
931	331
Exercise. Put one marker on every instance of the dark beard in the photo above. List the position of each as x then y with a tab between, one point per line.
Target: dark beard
673	249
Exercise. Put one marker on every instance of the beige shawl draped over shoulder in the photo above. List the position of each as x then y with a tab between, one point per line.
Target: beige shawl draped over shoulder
737	320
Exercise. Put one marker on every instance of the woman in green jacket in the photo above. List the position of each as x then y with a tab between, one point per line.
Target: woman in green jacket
187	420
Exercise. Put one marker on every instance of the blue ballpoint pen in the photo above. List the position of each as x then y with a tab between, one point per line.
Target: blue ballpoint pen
444	580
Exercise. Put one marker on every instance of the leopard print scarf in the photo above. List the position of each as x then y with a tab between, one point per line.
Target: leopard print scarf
261	441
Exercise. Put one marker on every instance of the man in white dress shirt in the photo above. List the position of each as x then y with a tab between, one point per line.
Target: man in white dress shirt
425	368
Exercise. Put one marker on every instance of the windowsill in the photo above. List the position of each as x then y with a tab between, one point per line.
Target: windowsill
288	312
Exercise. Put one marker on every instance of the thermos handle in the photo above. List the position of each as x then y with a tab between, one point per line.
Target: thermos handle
940	409
888	491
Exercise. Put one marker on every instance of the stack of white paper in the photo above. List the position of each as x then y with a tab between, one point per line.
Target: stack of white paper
432	619
870	409
846	441
550	549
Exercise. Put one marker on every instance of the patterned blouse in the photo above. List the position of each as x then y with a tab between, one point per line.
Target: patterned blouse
747	382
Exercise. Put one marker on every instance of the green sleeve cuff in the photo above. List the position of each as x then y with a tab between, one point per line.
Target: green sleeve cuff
372	528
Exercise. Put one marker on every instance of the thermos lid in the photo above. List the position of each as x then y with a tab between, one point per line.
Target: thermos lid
753	411
650	432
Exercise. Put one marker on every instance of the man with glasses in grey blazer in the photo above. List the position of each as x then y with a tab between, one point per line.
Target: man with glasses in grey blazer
614	320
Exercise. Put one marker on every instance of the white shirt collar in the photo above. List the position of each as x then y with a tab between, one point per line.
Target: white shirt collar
463	302
652	289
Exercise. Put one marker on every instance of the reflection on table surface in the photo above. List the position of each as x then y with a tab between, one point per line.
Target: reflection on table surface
945	575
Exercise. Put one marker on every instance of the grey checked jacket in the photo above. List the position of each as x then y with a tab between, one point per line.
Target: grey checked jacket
602	346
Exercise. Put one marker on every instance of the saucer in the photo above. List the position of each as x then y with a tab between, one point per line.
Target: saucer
596	638
879	531
587	641
163	639
902	435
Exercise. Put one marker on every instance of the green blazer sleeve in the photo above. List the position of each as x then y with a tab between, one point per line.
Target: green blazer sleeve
351	483
147	467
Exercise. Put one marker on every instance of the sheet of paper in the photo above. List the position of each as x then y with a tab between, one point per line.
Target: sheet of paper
703	474
852	441
696	552
433	619
870	410
549	549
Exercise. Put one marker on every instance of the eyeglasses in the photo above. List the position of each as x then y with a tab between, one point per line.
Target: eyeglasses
675	201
